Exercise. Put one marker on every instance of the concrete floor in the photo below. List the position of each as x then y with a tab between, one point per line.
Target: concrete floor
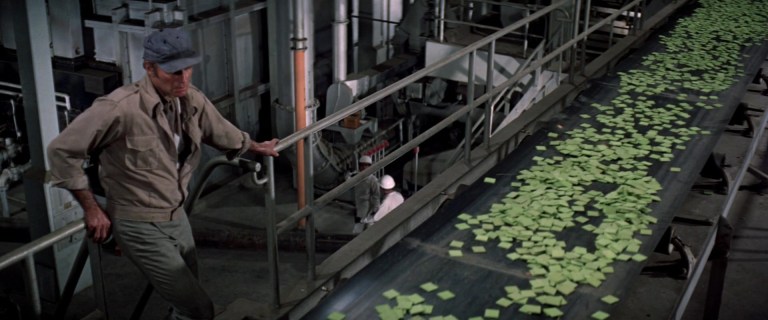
228	226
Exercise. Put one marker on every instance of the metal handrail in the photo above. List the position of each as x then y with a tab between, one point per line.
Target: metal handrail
733	191
27	253
67	104
274	228
290	222
376	96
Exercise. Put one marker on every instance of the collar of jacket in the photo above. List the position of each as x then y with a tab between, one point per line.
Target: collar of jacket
152	104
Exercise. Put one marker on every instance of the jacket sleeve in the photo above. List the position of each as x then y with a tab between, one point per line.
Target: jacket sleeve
362	200
93	129
384	209
220	133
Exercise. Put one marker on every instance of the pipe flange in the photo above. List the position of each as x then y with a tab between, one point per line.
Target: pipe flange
277	105
313	106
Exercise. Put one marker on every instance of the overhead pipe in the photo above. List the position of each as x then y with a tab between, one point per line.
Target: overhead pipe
441	20
340	22
339	94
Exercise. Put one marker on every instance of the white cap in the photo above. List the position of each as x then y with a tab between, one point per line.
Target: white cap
366	160
387	182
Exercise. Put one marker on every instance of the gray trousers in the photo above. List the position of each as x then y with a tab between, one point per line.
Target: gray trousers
165	253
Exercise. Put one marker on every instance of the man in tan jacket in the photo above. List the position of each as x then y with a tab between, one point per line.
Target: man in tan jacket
149	135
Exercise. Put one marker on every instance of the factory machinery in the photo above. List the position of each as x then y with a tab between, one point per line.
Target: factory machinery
541	152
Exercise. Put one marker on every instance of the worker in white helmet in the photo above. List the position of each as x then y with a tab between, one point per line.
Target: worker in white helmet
367	195
392	198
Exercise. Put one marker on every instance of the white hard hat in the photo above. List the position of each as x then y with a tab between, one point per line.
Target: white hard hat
387	182
366	160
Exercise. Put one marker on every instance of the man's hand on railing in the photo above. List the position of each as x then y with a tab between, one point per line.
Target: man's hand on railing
265	148
98	224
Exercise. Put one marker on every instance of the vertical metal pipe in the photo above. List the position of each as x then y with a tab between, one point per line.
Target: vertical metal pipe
33	293
435	23
355	36
470	11
299	50
470	102
234	67
340	22
441	21
201	40
380	154
488	87
269	200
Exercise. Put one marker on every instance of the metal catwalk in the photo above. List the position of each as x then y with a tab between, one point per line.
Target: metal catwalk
478	280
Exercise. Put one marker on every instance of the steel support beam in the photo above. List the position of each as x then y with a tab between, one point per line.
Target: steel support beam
36	74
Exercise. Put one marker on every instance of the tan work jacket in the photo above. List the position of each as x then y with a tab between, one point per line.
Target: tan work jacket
137	151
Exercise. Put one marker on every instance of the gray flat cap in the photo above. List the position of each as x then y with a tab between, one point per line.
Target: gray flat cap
171	49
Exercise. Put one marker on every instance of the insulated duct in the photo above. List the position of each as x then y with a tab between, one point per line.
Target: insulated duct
339	94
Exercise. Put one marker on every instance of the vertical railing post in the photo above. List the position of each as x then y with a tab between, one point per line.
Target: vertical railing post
587	9
525	37
269	197
560	59
610	34
537	79
470	102
33	292
72	279
488	87
635	20
310	230
416	169
574	51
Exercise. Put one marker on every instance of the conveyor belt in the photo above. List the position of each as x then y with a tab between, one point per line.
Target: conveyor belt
478	280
